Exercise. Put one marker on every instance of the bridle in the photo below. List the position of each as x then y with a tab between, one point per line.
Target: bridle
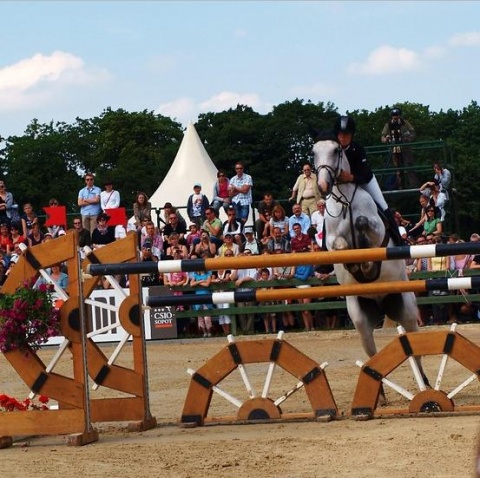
341	198
346	203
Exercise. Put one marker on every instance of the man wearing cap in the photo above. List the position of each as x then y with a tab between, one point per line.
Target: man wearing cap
396	132
153	278
228	245
254	246
196	205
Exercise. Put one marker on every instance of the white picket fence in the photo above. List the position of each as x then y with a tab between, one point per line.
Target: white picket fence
103	306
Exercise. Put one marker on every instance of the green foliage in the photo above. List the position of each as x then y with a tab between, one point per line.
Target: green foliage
136	149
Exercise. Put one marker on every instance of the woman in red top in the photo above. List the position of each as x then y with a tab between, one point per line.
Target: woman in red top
220	192
6	243
17	238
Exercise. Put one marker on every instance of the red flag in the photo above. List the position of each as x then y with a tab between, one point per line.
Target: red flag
118	216
56	216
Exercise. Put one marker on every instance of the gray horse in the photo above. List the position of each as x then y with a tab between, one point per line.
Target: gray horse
352	221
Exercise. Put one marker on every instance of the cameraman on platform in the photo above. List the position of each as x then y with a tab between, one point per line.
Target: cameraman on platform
397	130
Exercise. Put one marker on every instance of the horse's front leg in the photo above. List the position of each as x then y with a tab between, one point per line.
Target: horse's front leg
362	321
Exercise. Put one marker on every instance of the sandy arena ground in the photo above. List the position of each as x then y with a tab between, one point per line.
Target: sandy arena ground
393	447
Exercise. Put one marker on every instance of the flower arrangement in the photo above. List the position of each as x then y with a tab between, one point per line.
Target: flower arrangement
10	404
27	317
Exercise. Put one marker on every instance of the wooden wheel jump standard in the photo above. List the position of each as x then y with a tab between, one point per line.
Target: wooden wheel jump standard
276	352
76	407
447	344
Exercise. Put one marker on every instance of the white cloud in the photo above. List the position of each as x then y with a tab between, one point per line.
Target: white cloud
385	60
27	73
35	80
186	109
465	39
182	109
434	52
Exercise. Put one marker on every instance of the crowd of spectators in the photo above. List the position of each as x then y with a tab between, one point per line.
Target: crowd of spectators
207	236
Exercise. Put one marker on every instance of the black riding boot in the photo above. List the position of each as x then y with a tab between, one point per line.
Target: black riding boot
393	227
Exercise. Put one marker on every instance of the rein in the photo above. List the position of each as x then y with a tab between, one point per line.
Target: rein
346	209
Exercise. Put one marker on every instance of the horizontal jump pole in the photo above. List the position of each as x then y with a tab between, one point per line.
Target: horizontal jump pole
375	288
285	260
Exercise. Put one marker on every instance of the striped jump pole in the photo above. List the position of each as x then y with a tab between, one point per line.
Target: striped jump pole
377	288
285	260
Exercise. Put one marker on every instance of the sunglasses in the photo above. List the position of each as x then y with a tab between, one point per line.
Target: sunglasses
76	223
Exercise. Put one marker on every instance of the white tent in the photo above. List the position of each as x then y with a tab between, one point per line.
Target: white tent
192	165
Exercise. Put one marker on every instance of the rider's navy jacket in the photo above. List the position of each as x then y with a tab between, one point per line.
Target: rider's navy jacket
359	165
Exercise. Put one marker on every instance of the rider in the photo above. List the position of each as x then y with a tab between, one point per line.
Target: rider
361	172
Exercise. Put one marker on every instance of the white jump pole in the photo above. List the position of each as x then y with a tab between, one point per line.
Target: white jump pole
414	365
443	364
392	385
221	392
275	260
243	372
271	369
297	387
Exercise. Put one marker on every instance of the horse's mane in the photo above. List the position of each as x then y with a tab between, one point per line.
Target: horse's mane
324	135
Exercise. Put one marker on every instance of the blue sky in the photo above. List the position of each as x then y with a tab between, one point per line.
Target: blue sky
65	59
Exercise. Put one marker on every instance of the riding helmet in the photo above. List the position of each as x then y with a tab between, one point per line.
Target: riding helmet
344	124
396	112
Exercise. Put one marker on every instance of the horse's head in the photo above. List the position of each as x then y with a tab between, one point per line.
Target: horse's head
329	161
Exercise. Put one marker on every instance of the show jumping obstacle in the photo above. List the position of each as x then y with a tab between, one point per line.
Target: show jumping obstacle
251	295
237	355
374	373
285	260
77	410
448	344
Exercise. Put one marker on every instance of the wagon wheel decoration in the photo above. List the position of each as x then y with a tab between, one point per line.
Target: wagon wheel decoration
276	352
373	375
